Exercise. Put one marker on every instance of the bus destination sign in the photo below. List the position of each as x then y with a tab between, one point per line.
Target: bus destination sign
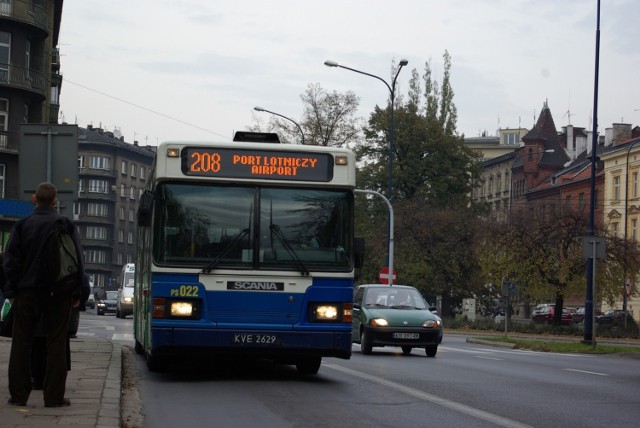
265	164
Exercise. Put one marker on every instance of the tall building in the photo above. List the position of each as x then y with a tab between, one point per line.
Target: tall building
112	176
30	84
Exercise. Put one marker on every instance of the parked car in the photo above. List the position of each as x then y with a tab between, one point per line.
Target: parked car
611	317
395	315
578	316
107	304
546	314
539	308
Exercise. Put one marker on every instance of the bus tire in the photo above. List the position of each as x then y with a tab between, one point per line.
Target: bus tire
139	348
308	365
155	364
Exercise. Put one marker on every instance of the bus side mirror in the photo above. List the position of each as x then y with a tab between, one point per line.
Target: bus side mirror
144	209
358	252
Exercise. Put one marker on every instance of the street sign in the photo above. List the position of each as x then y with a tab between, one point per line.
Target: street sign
588	244
627	287
383	276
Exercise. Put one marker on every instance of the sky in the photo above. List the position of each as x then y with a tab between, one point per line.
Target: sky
158	70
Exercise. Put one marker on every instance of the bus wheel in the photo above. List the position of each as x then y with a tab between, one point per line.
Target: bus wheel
139	348
308	365
155	364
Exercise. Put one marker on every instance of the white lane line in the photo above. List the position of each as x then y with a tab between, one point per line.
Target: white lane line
489	358
421	395
587	372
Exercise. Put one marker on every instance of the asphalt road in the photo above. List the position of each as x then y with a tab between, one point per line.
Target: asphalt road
467	384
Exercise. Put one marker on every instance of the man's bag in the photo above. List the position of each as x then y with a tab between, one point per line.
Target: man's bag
6	319
59	260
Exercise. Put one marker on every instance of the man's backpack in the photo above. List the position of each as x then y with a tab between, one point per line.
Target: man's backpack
59	262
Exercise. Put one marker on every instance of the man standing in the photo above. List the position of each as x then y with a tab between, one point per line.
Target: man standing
32	301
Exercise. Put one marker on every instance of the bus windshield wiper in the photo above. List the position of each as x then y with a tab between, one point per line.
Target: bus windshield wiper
215	262
275	230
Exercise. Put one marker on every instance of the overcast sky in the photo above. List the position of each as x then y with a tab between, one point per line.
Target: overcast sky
194	69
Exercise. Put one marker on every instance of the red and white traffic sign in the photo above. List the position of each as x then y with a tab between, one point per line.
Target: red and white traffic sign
383	276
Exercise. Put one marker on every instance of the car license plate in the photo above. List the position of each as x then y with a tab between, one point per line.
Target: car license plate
255	339
406	335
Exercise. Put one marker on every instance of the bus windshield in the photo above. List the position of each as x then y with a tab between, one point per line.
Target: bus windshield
251	227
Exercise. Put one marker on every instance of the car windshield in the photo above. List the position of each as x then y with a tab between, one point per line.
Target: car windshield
112	295
394	297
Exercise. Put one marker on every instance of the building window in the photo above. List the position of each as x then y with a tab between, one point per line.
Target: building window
634	185
98	186
490	186
123	168
567	202
131	214
122	192
582	201
130	238
616	189
96	256
634	229
141	172
119	257
132	193
80	161
614	229
97	232
121	236
510	138
499	183
133	170
99	162
121	213
5	56
97	210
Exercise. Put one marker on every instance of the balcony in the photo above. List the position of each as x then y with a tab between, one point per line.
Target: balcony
9	142
23	78
27	12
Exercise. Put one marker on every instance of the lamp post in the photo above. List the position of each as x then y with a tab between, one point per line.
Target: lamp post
284	117
626	215
589	301
392	92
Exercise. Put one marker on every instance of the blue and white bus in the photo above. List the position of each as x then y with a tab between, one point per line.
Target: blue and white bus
248	248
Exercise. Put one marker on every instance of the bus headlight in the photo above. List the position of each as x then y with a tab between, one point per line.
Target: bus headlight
330	312
181	309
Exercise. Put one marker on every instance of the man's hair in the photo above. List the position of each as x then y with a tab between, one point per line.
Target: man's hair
46	194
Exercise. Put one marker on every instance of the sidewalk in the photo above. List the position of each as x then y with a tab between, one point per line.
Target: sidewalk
93	386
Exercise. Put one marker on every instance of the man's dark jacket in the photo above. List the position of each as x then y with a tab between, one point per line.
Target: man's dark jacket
25	241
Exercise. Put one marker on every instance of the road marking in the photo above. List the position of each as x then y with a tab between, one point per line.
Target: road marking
587	372
421	395
119	336
489	358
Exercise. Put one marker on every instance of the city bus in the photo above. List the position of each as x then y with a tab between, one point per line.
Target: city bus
246	248
125	291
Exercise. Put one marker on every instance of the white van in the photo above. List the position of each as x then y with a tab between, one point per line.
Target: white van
125	291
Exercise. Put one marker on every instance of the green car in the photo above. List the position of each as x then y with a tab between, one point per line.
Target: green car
394	315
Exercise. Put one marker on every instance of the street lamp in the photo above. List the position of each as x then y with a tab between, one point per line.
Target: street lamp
284	117
392	91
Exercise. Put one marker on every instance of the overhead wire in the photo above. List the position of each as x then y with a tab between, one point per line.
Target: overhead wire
146	109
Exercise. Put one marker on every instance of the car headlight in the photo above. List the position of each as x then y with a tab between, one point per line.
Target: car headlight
431	324
128	299
379	322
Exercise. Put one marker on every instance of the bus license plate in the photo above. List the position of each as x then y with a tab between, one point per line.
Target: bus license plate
406	335
255	339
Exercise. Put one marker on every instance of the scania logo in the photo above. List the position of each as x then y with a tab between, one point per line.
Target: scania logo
255	285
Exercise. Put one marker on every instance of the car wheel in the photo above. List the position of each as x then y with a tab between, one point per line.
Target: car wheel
431	350
100	313
406	350
308	365
365	342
